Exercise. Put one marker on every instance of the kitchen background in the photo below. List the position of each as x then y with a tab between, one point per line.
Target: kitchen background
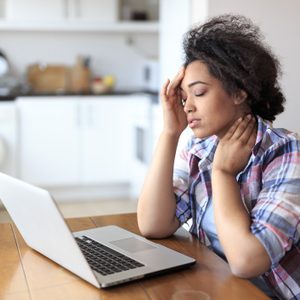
93	143
57	32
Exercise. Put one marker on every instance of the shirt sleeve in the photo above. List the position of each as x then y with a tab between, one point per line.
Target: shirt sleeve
181	180
276	215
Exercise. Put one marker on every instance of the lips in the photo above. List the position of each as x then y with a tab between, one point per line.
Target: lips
194	122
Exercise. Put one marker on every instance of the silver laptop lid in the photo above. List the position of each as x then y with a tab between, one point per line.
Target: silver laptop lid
42	226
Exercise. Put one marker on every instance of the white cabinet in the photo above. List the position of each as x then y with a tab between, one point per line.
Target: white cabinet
49	144
68	15
8	138
62	10
34	10
106	139
141	119
78	140
92	10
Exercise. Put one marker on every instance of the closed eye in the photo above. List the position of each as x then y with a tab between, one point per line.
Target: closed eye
200	94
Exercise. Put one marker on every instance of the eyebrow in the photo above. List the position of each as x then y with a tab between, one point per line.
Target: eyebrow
197	82
194	83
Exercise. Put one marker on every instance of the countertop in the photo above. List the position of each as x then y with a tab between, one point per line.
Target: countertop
12	97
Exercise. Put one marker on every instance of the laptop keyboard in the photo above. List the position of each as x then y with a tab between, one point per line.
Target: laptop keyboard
103	259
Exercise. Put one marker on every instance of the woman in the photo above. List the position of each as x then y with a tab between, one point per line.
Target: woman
237	178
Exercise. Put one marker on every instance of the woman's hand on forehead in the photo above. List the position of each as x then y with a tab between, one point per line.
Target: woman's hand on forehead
175	119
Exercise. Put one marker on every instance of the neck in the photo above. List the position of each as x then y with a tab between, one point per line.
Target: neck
240	114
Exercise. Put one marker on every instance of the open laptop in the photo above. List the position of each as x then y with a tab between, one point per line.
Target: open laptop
103	256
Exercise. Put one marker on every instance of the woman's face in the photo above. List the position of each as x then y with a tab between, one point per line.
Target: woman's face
209	108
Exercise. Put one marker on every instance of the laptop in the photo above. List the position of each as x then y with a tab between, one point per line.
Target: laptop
103	256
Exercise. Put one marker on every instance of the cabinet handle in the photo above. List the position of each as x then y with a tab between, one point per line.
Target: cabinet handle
91	120
66	9
78	8
140	144
78	115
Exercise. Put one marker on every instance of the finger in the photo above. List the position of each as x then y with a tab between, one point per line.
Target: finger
181	70
163	92
250	128
232	129
173	87
252	139
242	127
174	84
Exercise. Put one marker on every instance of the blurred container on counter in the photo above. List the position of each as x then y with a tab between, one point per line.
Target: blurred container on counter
102	85
51	78
48	78
80	76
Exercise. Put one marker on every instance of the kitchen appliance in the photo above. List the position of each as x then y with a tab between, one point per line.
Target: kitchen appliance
8	83
3	65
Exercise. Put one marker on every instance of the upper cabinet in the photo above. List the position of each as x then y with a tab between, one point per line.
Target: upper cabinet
92	10
33	10
77	15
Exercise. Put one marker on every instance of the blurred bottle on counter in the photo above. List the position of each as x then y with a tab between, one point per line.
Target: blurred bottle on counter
80	76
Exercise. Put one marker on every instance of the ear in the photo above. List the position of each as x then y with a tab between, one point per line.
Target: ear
240	97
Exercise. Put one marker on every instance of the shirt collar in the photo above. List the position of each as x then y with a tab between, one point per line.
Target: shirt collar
262	127
204	148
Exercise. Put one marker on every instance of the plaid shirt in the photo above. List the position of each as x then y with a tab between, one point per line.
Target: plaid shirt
270	191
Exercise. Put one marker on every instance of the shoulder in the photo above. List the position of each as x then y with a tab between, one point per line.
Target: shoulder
271	139
276	147
282	140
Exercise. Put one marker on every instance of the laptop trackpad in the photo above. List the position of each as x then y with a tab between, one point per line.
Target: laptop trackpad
132	244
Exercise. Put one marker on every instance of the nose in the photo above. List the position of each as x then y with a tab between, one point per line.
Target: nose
188	106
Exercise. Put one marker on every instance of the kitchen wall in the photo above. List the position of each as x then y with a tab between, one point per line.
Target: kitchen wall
120	54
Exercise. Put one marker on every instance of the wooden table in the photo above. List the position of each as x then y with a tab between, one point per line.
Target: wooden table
25	274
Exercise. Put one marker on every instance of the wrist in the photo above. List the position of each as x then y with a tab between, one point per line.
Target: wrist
222	173
171	134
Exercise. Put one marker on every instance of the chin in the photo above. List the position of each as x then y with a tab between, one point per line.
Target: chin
201	135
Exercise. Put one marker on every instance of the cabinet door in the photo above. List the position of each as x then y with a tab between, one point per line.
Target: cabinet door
141	153
94	10
106	140
49	140
35	10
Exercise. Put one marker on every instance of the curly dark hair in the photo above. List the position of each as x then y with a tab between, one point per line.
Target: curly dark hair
233	49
